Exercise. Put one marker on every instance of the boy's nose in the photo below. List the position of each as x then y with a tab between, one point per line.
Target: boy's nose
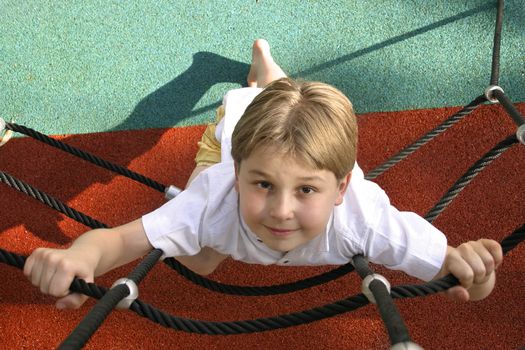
281	207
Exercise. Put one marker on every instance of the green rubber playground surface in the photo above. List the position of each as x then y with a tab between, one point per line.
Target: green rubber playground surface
72	67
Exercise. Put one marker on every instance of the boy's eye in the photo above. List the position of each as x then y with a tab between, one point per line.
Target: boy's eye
264	185
307	190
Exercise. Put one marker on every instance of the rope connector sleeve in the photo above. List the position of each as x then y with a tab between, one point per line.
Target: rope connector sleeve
365	286
520	134
407	345
133	292
489	93
171	192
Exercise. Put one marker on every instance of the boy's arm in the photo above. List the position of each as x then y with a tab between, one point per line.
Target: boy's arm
92	254
473	264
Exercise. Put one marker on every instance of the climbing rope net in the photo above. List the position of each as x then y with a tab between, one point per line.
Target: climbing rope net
375	288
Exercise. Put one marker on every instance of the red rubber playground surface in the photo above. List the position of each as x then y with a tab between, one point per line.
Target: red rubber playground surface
491	206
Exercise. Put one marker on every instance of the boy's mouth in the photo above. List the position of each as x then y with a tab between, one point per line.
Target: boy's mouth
279	231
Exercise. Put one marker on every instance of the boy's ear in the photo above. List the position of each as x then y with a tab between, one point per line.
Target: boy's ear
343	185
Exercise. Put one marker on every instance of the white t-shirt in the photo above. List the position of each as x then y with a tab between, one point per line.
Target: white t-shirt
206	214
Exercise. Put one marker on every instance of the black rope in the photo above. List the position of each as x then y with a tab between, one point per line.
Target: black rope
281	321
509	107
94	319
394	324
426	138
50	201
96	316
86	156
494	77
12	259
249	326
471	173
508	243
259	290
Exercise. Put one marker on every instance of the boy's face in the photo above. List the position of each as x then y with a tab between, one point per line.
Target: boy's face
284	202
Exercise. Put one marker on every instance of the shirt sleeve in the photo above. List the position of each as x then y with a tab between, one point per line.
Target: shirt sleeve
405	241
175	227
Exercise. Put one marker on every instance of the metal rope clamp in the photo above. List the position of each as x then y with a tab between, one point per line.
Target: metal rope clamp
489	93
133	292
171	192
4	135
365	286
520	134
408	345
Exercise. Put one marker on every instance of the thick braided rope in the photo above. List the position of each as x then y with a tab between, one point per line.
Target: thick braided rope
281	321
96	316
50	201
494	75
404	153
86	156
259	290
471	173
380	289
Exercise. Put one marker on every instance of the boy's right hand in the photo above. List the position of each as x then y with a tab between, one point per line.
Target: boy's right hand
53	271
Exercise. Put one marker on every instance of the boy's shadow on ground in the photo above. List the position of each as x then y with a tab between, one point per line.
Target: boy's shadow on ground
167	105
176	100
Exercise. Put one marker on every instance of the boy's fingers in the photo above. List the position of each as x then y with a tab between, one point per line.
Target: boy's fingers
495	249
478	267
48	274
36	273
458	293
461	267
465	276
28	266
59	285
72	301
487	258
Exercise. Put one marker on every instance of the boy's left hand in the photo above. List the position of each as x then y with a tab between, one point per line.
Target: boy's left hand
473	264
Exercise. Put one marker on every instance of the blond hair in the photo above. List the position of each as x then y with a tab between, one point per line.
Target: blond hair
311	121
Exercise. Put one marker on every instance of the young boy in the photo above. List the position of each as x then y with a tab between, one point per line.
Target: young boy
289	193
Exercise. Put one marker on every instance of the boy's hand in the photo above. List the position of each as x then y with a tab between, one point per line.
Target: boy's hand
53	270
473	264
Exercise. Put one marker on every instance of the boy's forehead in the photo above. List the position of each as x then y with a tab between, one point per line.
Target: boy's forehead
262	159
273	153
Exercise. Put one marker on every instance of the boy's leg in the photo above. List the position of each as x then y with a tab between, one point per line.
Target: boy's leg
263	70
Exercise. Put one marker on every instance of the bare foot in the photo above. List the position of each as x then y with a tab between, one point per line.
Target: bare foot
263	70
